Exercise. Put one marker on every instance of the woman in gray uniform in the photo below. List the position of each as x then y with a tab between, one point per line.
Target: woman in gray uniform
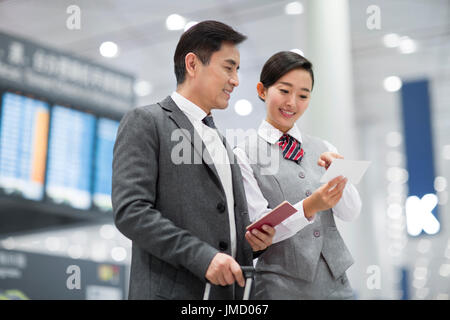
308	258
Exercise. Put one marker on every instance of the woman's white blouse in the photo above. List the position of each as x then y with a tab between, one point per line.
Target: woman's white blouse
347	209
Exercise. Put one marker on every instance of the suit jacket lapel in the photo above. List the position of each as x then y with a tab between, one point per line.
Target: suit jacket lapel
183	122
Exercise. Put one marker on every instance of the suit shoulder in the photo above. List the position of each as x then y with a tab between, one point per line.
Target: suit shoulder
143	113
149	110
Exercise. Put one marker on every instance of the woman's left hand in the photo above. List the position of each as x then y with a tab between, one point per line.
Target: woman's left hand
260	239
327	158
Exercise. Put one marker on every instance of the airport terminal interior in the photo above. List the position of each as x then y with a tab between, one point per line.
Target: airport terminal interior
70	69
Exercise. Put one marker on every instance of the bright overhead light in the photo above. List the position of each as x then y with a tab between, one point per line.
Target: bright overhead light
118	253
392	83
440	184
394	211
109	49
52	243
243	107
142	88
189	25
298	51
394	139
75	251
398	175
391	40
444	270
107	231
293	8
175	22
407	45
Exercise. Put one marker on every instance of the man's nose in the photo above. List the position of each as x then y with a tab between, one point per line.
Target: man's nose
234	80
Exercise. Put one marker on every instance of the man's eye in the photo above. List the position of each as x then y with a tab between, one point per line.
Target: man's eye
229	68
304	97
284	91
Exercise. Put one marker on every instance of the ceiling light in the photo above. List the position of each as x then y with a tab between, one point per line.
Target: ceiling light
391	40
407	45
394	139
440	184
175	22
109	49
142	88
107	231
392	84
293	8
397	174
118	253
243	107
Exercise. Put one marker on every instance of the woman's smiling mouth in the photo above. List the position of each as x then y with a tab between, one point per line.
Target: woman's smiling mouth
287	114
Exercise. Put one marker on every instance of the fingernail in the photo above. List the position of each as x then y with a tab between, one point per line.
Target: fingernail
255	232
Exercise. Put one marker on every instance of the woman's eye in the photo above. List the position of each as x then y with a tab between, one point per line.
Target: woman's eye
284	91
228	68
303	97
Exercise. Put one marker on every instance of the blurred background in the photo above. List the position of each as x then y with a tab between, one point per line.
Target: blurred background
69	70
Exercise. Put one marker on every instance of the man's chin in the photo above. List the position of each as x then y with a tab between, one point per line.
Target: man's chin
221	106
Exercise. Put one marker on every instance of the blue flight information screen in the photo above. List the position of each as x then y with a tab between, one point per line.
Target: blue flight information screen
23	145
71	145
106	136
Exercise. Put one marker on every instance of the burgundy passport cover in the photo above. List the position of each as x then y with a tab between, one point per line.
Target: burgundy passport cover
283	211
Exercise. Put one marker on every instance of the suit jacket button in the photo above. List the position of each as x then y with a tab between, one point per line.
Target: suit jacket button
301	175
223	245
316	233
308	193
221	207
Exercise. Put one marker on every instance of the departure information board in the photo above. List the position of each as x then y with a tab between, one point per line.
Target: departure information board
70	157
106	136
23	145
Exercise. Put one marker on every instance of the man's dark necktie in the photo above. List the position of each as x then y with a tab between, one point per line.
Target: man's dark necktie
291	148
208	120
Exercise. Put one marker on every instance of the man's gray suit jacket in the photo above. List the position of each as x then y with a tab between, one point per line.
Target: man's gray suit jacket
175	214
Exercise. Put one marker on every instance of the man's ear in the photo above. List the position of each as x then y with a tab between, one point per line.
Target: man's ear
261	91
190	61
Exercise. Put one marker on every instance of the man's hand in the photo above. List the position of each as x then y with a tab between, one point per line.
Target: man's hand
325	197
224	270
260	239
327	158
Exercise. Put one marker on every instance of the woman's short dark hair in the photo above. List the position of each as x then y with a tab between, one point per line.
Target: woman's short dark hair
281	63
203	39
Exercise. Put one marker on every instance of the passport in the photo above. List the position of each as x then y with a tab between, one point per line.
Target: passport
283	211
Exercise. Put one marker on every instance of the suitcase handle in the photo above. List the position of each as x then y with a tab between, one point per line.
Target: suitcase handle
248	271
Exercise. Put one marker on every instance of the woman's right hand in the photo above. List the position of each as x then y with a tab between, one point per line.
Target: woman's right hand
325	197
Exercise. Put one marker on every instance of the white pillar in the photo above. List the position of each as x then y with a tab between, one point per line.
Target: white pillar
330	116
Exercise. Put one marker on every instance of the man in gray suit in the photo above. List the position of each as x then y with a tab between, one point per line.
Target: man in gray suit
186	219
